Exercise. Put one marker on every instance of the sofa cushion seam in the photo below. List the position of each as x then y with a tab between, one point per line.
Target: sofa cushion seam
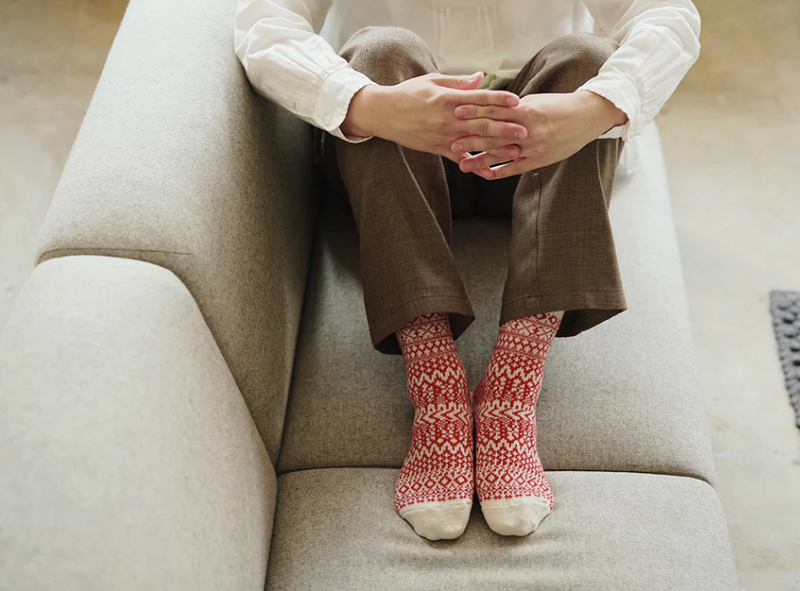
385	467
76	251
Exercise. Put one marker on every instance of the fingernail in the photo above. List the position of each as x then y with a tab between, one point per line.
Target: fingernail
475	75
458	148
518	135
511	100
461	112
467	166
511	152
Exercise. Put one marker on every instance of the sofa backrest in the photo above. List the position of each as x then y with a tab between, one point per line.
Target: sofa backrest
180	164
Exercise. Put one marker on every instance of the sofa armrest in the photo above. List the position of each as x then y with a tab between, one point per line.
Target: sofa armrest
179	163
128	457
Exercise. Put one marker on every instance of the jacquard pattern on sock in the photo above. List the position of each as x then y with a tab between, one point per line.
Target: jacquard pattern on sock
507	459
439	464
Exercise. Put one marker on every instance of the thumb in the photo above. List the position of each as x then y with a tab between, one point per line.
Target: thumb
460	82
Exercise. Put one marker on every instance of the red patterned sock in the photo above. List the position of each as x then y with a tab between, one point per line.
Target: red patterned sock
436	484
512	487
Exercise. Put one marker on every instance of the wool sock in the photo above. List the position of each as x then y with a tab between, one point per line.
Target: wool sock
436	484
512	488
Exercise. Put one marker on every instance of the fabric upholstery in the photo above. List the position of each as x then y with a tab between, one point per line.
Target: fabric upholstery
180	164
610	531
622	396
129	459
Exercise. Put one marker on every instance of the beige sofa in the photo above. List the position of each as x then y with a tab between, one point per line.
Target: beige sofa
189	399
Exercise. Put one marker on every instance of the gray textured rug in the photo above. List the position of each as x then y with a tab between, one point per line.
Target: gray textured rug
785	307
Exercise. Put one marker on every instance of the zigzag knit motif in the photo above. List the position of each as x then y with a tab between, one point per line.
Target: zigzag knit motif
507	464
439	464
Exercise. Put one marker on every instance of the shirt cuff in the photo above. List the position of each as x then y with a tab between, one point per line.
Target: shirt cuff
624	94
334	99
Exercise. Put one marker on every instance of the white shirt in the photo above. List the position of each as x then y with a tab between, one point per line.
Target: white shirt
289	47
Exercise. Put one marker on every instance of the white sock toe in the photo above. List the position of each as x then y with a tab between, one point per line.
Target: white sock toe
515	517
442	520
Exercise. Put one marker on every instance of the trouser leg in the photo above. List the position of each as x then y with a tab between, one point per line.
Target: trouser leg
562	254
401	204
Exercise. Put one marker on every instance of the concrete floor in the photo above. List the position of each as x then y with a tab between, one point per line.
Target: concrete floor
730	141
730	137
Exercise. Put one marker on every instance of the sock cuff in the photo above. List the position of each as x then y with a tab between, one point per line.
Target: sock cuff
425	327
539	327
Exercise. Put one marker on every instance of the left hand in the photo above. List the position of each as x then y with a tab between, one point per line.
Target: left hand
558	126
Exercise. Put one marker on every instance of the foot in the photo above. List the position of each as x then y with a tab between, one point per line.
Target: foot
436	483
512	488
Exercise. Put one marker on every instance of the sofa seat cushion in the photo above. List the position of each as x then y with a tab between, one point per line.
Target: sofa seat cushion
337	529
622	396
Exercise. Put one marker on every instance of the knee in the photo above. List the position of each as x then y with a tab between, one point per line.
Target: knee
572	60
388	55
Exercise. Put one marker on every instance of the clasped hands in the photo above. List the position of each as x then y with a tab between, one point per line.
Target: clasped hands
450	117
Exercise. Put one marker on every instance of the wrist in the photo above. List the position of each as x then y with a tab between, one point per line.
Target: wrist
361	115
602	111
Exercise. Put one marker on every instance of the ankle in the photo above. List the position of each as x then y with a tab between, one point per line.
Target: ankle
426	336
544	325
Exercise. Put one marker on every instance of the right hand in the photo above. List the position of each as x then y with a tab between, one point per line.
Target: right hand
420	113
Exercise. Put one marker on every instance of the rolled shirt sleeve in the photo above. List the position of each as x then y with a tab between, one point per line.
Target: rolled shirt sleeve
659	42
288	62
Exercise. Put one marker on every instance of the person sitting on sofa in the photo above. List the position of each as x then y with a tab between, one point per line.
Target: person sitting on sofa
535	132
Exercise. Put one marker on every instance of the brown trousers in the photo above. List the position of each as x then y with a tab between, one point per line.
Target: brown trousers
561	253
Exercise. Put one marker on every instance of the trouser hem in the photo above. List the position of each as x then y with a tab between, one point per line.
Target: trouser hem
382	332
582	310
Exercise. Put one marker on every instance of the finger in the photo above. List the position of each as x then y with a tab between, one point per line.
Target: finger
516	167
482	162
487	97
480	143
459	82
498	112
485	159
491	128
